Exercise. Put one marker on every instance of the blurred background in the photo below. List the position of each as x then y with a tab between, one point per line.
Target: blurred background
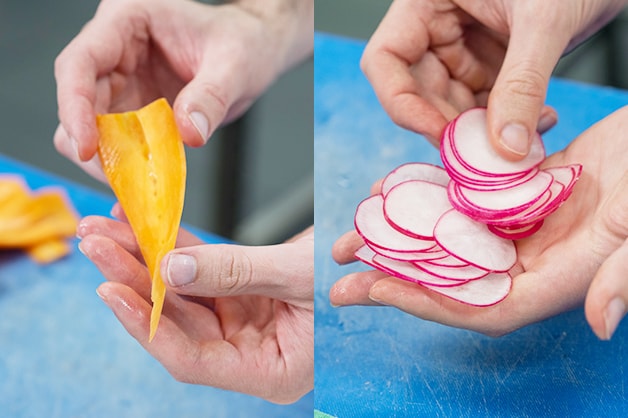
601	60
253	182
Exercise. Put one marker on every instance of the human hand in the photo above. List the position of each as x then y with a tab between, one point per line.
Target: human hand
585	238
211	62
431	59
245	322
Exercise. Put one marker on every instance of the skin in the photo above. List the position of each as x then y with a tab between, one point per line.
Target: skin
245	322
431	59
210	62
246	329
580	248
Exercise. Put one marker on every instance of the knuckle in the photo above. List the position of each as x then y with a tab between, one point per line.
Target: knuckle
236	271
527	82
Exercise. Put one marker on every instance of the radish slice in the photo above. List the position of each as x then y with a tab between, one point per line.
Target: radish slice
409	272
415	171
401	270
472	242
508	199
372	227
516	233
463	272
413	207
470	142
487	291
452	230
430	254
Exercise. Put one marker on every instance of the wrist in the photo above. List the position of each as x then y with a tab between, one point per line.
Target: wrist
291	23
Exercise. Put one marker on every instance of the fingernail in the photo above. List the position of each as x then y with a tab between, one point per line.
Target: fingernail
201	124
515	138
545	123
181	269
101	294
80	247
615	311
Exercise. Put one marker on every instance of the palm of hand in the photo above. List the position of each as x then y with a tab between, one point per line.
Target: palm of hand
250	344
555	266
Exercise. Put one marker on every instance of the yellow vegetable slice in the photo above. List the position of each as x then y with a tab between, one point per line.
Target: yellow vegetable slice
48	251
142	155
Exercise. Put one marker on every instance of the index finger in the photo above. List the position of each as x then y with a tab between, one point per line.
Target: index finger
94	53
399	41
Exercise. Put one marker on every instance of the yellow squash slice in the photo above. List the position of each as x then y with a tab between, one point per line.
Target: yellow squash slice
142	155
38	222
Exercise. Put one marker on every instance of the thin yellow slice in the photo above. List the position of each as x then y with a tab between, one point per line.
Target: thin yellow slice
143	157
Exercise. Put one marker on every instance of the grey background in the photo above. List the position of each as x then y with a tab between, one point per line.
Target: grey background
270	150
601	60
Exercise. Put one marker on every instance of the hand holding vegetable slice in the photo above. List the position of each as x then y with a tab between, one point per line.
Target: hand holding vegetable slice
471	211
142	155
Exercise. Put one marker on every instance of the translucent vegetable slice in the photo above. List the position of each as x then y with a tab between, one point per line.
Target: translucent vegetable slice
142	155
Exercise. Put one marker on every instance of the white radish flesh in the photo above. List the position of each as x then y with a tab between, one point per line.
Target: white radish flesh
472	242
371	224
413	207
415	171
487	291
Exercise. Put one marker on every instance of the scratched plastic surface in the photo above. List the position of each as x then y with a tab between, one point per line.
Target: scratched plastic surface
63	353
381	362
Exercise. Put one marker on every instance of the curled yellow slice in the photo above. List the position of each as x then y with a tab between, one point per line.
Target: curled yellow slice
142	155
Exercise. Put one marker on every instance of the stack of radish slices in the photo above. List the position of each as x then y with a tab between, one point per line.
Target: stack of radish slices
451	229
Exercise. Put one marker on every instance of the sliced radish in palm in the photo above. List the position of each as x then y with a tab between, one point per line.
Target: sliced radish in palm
413	207
401	270
415	171
487	291
508	199
462	272
470	142
472	242
431	254
452	230
371	224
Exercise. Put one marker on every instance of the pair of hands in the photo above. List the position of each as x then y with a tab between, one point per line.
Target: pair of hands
245	323
431	59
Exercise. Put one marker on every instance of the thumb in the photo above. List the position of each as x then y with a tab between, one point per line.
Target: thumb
202	105
284	271
515	104
607	297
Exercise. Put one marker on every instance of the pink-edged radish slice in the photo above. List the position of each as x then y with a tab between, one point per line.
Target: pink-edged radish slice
465	272
472	242
373	227
447	261
463	175
434	253
508	199
471	144
400	269
409	272
413	207
415	171
516	233
487	291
